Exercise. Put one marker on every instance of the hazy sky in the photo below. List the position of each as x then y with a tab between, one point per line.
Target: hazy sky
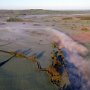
45	4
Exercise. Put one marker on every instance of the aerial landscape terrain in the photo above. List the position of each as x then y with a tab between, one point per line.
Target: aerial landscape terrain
33	31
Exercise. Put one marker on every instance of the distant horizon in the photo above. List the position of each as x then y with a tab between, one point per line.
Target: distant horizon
46	5
51	9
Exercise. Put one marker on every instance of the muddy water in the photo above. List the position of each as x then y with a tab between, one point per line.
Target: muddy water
21	74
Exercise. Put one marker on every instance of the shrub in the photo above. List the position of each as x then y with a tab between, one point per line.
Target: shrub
84	17
67	18
18	20
84	29
14	20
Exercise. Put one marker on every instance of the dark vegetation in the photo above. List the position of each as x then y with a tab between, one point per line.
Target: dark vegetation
14	20
85	29
40	11
84	17
67	18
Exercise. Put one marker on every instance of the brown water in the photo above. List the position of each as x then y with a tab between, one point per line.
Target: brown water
21	74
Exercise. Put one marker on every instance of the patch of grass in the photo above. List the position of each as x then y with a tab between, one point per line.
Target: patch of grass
14	20
84	17
18	20
85	29
67	18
